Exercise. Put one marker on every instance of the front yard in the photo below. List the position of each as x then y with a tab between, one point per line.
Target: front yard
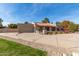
9	48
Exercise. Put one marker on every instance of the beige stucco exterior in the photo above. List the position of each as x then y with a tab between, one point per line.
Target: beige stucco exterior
33	27
25	28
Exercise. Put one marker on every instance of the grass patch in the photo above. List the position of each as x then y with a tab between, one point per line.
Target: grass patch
10	48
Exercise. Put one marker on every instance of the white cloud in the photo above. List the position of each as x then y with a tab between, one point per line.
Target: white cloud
5	23
6	14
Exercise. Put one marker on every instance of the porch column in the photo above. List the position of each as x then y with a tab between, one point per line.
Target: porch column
34	28
43	30
56	29
50	29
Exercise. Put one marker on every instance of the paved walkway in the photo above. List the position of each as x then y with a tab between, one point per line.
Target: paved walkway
62	43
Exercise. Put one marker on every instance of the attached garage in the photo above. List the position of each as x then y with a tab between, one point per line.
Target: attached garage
25	28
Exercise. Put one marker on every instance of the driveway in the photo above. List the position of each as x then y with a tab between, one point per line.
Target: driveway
69	42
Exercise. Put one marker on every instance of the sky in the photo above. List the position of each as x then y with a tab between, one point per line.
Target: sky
35	12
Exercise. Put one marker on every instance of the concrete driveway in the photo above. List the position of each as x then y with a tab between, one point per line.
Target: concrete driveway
69	42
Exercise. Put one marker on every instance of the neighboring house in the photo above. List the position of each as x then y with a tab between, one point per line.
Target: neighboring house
36	27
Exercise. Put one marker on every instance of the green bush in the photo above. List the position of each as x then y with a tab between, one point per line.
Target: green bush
55	32
50	33
12	25
58	32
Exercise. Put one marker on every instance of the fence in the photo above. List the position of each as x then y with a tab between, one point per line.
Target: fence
8	30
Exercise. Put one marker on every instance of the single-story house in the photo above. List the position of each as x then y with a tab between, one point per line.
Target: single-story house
25	28
36	27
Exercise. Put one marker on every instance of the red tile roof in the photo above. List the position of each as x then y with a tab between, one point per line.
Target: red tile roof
45	24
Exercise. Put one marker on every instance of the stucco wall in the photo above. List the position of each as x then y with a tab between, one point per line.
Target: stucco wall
25	28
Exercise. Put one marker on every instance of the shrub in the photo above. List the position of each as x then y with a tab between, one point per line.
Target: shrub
12	25
50	33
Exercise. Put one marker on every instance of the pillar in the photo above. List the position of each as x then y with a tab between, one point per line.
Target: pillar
43	30
50	29
34	27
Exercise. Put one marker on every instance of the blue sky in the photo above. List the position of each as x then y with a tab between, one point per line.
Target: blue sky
20	12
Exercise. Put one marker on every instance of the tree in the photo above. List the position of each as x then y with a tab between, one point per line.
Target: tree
46	20
1	22
65	25
12	25
77	27
72	27
58	24
26	22
68	26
